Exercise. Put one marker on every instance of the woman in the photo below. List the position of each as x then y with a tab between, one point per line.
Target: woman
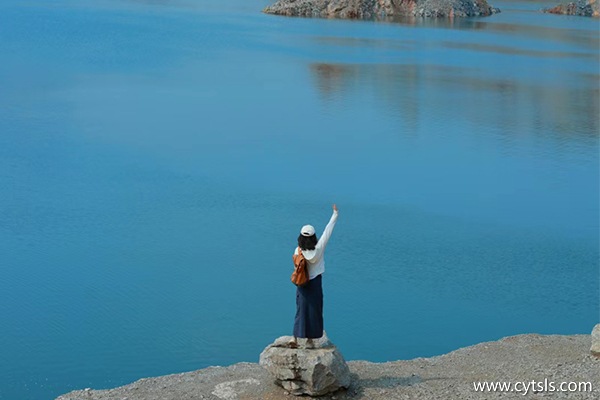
309	298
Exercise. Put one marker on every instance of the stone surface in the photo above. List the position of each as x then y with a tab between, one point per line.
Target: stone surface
595	349
312	371
583	8
382	9
522	358
229	390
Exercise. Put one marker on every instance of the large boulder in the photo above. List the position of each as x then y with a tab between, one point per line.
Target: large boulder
596	341
382	9
312	371
583	8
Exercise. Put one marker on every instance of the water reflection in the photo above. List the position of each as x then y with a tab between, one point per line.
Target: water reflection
330	78
570	32
415	93
507	50
448	23
568	35
389	44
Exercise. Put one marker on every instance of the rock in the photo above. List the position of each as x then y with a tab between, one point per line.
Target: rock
595	349
229	390
583	8
448	376
382	9
314	372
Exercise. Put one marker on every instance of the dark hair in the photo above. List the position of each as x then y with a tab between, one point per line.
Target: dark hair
307	242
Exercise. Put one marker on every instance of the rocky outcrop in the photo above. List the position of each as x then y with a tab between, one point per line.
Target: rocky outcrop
595	349
313	371
382	9
583	8
520	358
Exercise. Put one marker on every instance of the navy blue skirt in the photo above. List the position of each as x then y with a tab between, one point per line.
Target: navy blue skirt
309	310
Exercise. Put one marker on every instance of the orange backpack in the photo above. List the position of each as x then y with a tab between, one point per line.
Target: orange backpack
300	274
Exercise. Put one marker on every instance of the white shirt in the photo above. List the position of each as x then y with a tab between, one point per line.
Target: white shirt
316	257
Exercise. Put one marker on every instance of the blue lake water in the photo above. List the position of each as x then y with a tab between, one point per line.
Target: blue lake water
157	159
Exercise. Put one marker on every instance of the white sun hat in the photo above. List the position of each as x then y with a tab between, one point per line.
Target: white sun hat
307	230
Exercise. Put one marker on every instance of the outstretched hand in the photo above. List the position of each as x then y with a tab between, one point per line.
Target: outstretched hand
335	208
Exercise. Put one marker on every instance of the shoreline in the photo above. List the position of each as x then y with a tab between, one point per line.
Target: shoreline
520	358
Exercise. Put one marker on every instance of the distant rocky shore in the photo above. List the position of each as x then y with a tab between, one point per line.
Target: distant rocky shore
382	9
583	8
522	358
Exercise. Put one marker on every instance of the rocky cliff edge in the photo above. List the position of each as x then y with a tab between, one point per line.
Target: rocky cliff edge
522	358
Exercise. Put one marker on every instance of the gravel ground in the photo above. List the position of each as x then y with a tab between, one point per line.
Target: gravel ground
521	358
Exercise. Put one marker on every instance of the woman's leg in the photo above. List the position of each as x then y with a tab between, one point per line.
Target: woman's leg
308	322
315	310
300	318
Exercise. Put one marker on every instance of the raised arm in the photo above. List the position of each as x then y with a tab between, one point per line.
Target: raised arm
320	247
